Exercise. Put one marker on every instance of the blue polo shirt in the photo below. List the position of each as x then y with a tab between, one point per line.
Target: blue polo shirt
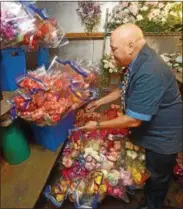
153	97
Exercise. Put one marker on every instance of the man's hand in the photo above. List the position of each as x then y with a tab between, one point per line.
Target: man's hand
93	106
90	126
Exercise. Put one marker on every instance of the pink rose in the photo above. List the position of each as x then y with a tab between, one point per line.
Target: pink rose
123	4
121	15
150	16
133	9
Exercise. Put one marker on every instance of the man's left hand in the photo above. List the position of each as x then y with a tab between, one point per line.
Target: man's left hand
90	126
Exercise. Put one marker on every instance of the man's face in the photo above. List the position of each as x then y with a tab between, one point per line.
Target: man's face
121	51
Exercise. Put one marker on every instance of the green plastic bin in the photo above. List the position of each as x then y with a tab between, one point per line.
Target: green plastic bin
14	144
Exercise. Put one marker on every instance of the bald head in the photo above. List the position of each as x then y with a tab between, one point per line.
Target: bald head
128	32
126	42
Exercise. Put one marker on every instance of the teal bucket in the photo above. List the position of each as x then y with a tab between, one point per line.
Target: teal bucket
14	144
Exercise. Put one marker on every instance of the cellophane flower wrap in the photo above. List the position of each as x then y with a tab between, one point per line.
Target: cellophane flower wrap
15	23
133	170
54	93
178	169
48	32
58	192
92	161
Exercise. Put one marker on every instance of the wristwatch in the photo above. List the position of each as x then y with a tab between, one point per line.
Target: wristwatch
98	125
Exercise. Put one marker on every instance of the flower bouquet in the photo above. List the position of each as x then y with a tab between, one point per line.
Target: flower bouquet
58	192
44	97
133	171
90	14
15	23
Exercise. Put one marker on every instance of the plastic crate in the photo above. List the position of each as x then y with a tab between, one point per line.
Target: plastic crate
51	137
43	57
12	65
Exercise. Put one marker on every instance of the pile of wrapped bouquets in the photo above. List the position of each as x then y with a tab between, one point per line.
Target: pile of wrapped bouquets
22	22
178	169
44	97
96	164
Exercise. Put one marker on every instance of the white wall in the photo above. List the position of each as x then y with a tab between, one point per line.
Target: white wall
65	13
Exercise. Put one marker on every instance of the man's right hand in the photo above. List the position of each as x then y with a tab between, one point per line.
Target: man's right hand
93	106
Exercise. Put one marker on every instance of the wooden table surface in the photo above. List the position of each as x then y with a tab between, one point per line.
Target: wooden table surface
22	186
4	106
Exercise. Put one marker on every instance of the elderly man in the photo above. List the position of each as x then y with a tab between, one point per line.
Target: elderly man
152	108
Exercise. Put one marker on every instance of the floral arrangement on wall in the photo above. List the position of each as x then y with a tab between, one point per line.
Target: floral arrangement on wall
173	60
90	14
150	16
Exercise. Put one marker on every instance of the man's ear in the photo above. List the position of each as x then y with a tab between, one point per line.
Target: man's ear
131	47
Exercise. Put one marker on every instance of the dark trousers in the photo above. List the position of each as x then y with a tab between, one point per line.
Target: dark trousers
161	168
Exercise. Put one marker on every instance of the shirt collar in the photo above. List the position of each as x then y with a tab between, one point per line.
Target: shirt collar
132	64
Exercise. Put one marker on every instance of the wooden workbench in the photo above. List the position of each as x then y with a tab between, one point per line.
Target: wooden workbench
24	183
4	106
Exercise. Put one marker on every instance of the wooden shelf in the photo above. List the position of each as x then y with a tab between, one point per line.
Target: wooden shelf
4	106
84	36
100	35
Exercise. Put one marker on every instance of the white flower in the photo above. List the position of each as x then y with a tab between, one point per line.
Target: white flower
132	19
125	20
156	12
173	13
139	17
179	59
118	21
126	11
166	59
112	20
163	20
111	70
105	61
144	8
176	65
161	5
106	65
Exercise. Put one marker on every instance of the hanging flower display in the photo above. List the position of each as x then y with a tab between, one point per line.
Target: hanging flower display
90	14
150	16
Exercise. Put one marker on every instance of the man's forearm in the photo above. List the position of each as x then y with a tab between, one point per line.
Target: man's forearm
114	95
121	122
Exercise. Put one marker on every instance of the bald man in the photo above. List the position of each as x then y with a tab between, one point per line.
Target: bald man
152	108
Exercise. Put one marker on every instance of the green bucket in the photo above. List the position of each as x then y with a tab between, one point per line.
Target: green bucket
14	144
